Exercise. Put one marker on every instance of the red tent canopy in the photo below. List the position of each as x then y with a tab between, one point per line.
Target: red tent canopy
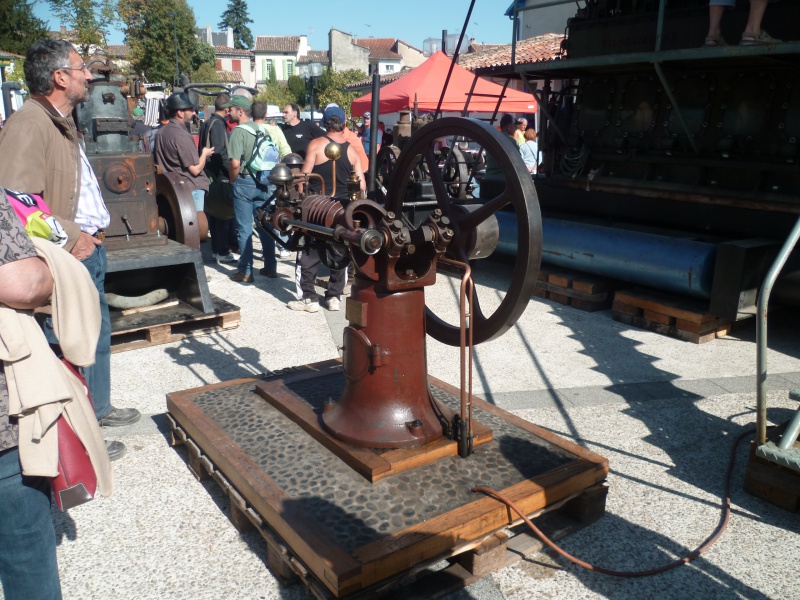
426	82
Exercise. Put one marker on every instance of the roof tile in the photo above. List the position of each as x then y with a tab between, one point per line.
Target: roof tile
379	47
277	43
228	51
536	49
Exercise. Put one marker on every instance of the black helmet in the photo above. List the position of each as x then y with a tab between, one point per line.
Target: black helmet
179	101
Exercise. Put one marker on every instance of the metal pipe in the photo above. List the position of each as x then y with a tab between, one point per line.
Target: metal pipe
660	25
791	433
761	332
309	226
373	129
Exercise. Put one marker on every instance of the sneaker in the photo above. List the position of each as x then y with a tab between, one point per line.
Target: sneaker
225	258
284	254
331	303
306	304
115	450
242	278
119	417
268	273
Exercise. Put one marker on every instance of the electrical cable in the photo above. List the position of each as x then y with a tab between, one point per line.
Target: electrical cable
710	541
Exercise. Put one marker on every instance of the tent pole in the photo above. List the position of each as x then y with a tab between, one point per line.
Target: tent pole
455	58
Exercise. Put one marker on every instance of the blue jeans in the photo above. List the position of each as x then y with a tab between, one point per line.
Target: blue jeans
246	199
199	197
28	567
98	376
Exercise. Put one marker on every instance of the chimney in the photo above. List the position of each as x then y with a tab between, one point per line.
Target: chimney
63	30
444	41
229	38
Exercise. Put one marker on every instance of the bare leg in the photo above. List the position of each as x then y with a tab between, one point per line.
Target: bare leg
715	19
757	10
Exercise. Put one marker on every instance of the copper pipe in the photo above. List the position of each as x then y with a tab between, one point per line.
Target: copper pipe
465	346
307	176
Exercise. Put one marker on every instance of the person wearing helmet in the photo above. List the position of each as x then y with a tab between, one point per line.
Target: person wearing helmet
175	151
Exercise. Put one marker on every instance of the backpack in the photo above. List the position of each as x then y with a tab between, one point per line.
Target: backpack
264	157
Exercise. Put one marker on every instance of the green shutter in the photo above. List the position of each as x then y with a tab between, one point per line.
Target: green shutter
284	70
264	71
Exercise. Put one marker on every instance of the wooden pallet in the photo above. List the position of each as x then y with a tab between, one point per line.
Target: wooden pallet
674	316
471	531
170	324
576	289
465	566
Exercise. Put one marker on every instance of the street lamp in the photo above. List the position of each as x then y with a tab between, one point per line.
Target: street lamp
174	15
309	72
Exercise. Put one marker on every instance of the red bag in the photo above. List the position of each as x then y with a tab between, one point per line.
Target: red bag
76	481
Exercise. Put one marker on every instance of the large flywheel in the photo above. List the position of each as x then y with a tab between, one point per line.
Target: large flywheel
176	209
506	186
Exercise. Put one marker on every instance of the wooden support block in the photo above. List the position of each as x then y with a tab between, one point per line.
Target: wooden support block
656	317
159	334
540	291
560	279
230	321
774	483
278	558
590	286
589	507
560	298
239	512
589	306
695	338
486	558
626	309
196	467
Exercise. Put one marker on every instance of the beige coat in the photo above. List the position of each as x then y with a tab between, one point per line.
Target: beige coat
40	387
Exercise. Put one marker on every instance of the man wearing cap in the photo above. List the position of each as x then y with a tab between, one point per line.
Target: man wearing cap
140	131
247	196
43	154
367	133
174	149
308	259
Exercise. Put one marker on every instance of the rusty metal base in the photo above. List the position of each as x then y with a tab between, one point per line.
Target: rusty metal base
353	535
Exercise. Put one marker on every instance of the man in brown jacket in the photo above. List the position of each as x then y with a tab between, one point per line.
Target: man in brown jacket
42	154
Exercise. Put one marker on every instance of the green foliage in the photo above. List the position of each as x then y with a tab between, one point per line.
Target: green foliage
297	88
330	87
19	28
276	93
88	20
273	77
236	17
17	73
151	30
205	73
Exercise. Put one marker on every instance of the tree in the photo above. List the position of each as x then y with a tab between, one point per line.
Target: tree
19	28
236	17
205	73
273	77
88	20
297	88
151	29
330	87
17	73
277	94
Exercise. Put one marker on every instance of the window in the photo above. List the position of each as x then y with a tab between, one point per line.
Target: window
266	67
390	68
289	68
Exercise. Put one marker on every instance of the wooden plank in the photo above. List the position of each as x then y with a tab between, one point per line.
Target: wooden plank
560	298
562	280
625	309
308	539
701	328
362	460
657	317
490	556
386	556
675	307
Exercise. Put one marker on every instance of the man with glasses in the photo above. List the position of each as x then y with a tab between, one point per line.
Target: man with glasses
175	151
299	133
43	154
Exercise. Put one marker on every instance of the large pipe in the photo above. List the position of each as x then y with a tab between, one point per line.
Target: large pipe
674	264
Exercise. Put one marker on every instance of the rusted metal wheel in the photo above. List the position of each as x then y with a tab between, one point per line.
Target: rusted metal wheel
176	208
385	164
471	217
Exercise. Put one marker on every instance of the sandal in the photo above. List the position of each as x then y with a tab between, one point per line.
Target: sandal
714	41
751	38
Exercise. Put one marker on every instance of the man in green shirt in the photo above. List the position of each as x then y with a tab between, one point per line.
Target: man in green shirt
247	196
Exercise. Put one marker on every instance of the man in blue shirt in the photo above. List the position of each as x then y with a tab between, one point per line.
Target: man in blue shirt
366	133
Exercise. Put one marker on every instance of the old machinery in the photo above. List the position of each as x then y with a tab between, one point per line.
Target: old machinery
396	249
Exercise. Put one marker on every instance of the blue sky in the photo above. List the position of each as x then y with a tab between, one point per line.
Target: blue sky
409	20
